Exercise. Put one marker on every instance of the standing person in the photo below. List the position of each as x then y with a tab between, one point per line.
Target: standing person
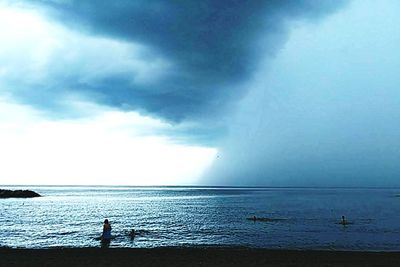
344	221
106	236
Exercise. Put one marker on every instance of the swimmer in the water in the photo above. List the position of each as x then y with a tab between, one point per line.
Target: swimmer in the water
132	233
344	221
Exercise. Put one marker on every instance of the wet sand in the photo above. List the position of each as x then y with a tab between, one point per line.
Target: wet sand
192	257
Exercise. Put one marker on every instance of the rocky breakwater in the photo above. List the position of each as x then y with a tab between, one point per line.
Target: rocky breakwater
4	193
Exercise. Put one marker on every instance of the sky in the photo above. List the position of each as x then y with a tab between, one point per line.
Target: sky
269	93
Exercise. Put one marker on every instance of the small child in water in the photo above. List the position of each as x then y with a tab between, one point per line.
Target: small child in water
132	233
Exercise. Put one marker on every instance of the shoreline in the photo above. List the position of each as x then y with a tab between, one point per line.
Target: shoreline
194	256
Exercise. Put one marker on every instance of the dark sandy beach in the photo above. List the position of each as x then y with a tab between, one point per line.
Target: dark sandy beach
192	257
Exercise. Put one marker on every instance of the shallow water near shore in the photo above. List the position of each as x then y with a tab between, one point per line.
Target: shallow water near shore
298	218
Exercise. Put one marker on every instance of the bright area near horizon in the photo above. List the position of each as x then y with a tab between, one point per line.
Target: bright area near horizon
108	149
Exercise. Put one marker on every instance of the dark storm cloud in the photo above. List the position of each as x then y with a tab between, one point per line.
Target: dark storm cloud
213	45
326	112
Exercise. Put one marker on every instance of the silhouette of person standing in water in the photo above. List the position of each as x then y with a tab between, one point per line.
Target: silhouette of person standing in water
106	236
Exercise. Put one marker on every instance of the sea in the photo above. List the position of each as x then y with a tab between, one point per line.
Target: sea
292	218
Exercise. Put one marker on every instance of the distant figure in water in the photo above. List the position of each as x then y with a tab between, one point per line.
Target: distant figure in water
132	233
344	221
106	236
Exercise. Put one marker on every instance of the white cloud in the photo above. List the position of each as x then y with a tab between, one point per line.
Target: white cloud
107	149
101	146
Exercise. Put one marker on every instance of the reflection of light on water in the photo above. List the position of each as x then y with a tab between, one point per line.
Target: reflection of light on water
185	216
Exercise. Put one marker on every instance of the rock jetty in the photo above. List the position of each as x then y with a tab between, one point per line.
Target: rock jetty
4	193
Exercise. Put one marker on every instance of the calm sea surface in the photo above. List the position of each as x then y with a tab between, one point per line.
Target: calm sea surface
191	216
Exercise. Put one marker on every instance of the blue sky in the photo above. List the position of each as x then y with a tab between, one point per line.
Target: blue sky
191	92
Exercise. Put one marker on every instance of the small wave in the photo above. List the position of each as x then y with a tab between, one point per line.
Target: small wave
344	224
265	219
68	233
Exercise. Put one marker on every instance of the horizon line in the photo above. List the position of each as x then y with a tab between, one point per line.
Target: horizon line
202	186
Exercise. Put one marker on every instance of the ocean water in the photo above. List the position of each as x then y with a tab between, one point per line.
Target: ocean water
307	218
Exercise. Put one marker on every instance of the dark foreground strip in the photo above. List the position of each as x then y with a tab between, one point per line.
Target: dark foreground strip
192	257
